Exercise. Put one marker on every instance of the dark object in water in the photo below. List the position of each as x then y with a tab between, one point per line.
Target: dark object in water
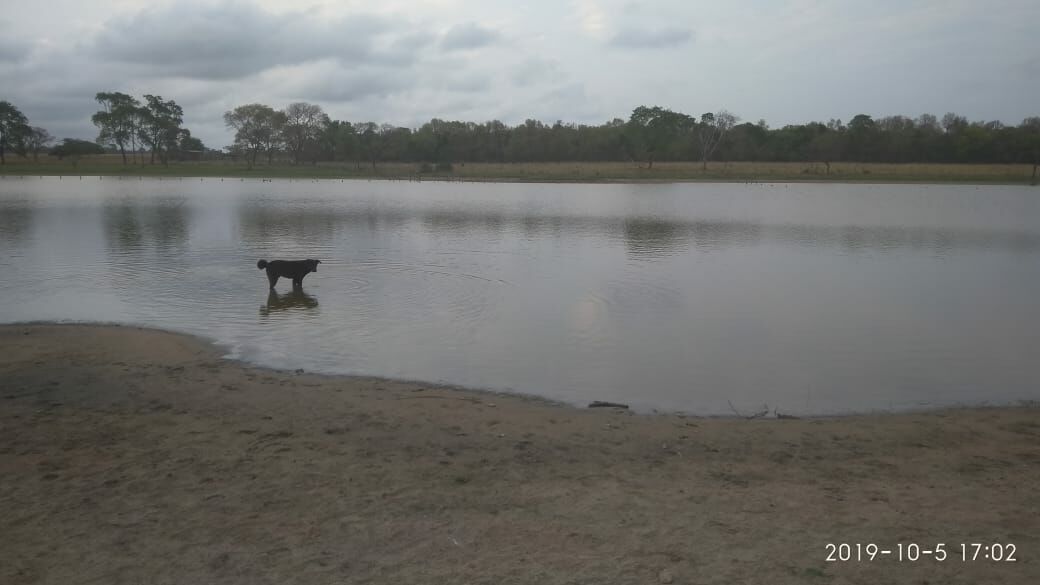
294	269
601	404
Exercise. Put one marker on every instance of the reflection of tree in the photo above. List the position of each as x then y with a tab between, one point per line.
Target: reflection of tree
15	223
167	225
294	300
647	237
725	234
262	225
455	221
122	228
653	237
130	228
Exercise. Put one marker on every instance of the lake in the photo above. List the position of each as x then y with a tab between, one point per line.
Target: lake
705	298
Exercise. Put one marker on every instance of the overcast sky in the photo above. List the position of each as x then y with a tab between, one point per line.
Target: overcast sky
404	62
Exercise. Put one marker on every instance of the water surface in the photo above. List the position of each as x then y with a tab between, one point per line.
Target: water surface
809	299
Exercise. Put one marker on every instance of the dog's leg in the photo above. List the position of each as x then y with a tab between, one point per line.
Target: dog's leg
272	278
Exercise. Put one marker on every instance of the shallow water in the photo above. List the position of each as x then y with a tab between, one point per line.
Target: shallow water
810	299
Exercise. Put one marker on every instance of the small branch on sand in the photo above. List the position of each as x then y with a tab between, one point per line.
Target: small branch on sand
749	416
430	396
601	404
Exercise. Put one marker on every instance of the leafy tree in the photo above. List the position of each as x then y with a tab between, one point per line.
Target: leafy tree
74	147
710	132
14	128
652	131
369	141
338	140
160	126
188	143
302	128
117	122
257	128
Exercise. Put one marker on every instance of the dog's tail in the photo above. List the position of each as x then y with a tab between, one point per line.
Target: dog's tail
261	264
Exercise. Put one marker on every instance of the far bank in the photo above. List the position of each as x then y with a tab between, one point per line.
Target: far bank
562	172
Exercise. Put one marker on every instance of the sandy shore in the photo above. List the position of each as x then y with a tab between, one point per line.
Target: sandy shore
137	456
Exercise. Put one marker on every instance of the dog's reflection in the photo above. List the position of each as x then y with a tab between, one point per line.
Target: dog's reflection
297	299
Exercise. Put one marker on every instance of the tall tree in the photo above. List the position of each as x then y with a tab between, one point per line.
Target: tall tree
710	132
161	126
257	128
302	128
14	127
116	122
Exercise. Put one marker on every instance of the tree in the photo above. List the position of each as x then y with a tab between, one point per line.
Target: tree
118	120
257	128
160	126
1030	133
826	145
36	140
337	140
369	142
75	148
710	132
652	131
302	128
188	143
14	127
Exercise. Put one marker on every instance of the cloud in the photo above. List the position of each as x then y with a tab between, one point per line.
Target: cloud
13	49
536	69
329	82
661	38
233	40
469	36
590	16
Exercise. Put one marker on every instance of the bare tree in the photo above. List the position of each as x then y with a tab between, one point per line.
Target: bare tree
303	126
37	140
712	128
257	127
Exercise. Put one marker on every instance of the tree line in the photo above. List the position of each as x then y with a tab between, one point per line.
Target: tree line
303	133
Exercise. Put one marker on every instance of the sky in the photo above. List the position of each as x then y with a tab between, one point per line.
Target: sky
583	61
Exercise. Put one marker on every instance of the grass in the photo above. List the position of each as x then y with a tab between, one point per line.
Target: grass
111	165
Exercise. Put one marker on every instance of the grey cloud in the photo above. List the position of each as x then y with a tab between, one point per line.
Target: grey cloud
234	40
661	38
469	83
13	48
11	51
537	70
468	36
352	86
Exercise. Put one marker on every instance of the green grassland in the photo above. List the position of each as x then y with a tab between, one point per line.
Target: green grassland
583	172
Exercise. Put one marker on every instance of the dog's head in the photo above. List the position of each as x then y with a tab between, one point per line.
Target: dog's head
312	265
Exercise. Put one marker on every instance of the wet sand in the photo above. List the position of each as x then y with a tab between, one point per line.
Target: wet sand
138	456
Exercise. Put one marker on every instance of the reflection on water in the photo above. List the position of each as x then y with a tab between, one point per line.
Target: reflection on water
808	298
296	299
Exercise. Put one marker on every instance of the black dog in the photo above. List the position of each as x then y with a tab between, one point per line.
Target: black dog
294	269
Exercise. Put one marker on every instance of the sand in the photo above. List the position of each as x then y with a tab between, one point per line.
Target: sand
137	456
